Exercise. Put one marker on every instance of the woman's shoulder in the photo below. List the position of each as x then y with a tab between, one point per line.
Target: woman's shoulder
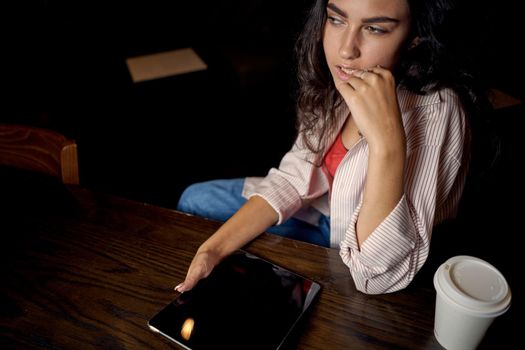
436	117
428	97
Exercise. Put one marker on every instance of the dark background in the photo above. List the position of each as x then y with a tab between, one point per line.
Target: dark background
66	70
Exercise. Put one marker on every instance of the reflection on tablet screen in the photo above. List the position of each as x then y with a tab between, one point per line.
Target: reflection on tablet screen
245	303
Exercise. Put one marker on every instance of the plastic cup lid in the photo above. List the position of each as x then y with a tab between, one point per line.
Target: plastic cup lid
474	285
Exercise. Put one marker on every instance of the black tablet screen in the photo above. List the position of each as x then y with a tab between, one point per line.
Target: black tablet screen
245	303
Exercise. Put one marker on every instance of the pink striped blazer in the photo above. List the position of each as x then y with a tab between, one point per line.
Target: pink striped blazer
437	163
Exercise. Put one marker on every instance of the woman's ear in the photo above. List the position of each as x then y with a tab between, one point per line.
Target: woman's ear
415	42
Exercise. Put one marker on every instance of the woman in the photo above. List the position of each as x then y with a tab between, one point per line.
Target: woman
382	151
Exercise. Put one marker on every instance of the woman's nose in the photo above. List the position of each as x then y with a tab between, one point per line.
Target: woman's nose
349	48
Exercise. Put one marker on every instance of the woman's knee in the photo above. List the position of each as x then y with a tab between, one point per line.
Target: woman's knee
191	197
216	199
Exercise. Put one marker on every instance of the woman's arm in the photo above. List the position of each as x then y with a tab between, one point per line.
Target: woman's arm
383	187
372	100
434	175
253	218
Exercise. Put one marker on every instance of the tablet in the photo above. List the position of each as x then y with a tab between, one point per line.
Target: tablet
245	303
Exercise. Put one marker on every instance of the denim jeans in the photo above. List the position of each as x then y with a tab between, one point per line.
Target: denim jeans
220	199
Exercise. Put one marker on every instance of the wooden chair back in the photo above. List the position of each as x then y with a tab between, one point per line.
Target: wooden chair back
41	150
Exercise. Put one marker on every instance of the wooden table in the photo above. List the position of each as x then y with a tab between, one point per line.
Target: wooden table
90	275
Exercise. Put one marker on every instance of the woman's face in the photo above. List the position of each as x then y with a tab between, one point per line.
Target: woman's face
361	34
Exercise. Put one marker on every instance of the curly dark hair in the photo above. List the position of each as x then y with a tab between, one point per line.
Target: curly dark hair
444	57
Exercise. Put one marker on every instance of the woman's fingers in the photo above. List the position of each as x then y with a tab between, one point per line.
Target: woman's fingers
194	276
187	285
379	70
200	268
359	79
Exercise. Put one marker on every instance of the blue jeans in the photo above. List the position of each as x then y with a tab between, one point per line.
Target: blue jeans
220	199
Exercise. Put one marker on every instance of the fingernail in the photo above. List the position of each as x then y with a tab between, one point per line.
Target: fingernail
178	286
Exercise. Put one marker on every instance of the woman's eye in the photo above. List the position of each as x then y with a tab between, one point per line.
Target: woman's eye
334	20
375	30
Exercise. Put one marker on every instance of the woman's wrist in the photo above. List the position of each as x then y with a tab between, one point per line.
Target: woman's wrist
212	248
393	149
213	255
390	141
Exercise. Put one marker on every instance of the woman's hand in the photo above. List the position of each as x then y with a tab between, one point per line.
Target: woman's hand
371	97
201	266
254	217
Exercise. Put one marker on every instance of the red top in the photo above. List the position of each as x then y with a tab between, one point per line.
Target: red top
335	155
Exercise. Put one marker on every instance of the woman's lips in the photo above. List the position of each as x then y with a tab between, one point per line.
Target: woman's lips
344	73
348	71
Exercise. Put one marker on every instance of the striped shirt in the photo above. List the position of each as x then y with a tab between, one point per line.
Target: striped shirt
436	168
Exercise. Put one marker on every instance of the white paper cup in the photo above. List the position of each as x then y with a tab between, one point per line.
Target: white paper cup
470	293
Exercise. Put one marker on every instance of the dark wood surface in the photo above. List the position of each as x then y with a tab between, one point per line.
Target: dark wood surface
90	275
